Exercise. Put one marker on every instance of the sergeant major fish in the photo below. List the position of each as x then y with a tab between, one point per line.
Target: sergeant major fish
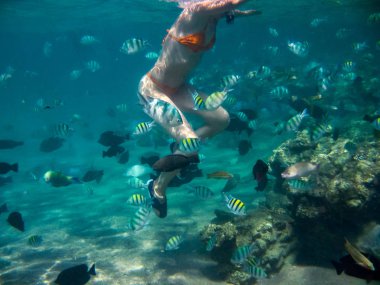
294	122
134	45
139	219
174	242
216	99
202	192
235	205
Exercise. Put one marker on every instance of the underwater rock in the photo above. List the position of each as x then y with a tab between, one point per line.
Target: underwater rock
222	216
370	241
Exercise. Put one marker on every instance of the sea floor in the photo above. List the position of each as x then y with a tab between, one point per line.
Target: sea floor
81	228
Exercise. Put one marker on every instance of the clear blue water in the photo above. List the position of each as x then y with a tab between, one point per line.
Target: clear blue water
78	227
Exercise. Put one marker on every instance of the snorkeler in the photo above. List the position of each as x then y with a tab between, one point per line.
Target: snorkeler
165	94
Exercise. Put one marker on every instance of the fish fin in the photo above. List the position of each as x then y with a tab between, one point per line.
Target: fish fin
368	118
92	270
15	167
76	180
338	267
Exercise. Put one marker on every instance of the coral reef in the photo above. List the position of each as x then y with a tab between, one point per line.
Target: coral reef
312	215
346	167
268	232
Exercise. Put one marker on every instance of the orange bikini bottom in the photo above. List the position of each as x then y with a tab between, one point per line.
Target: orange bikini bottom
168	90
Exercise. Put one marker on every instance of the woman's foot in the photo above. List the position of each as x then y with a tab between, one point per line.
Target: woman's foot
159	204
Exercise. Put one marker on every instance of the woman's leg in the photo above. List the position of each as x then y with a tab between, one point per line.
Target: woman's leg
215	121
148	91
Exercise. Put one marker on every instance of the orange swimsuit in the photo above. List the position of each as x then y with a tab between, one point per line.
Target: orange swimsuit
195	42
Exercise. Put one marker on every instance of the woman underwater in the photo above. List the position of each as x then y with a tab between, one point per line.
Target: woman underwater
166	95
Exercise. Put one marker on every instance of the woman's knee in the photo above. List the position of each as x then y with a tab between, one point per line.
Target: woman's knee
222	119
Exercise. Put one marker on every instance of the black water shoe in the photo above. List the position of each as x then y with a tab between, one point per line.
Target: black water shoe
160	206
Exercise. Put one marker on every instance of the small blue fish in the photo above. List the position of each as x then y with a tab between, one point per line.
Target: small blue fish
35	240
241	254
151	55
300	185
211	242
255	271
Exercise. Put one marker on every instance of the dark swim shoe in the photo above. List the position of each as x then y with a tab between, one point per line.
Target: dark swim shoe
160	208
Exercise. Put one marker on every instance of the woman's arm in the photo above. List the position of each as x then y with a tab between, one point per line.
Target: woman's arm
214	6
246	12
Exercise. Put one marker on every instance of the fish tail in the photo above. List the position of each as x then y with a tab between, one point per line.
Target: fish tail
338	267
92	270
368	118
304	113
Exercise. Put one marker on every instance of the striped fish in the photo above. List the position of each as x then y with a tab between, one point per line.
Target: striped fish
143	128
252	124
163	112
88	40
235	205
319	131
139	219
137	200
61	130
279	91
199	104
136	183
189	144
229	80
216	99
255	271
230	101
134	45
151	55
211	242
242	116
241	254
124	108
348	66
174	242
35	240
92	65
264	72
300	185
295	121
202	192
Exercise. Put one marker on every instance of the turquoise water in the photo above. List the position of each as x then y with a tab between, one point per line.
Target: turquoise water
40	47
